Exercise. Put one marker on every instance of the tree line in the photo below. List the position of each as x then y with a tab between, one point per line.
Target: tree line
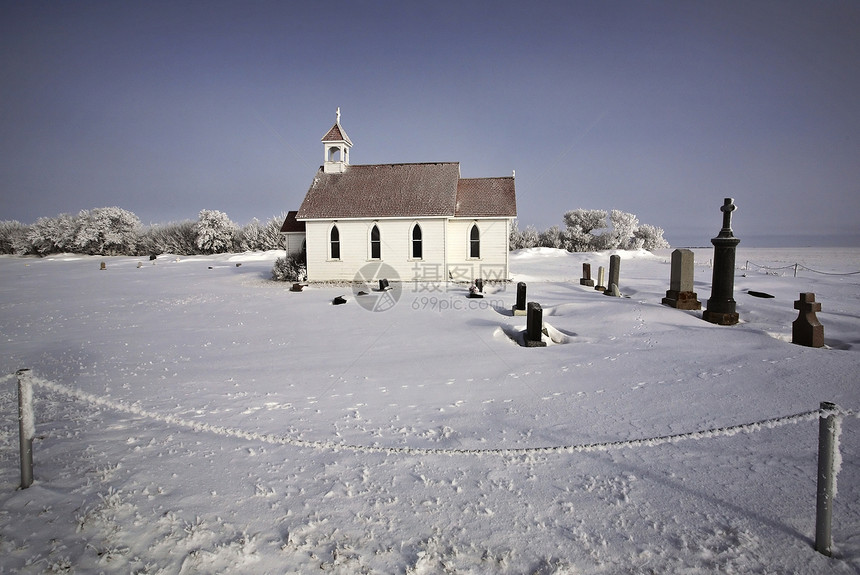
114	231
590	231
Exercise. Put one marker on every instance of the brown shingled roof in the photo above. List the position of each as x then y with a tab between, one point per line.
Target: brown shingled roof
383	190
406	191
336	134
291	224
486	197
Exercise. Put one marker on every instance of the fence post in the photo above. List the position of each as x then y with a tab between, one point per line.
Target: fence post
827	448
795	270
26	426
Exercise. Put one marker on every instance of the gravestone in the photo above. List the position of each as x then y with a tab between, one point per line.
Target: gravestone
806	329
479	283
534	325
586	280
601	273
680	294
614	270
473	291
520	307
613	291
339	300
721	304
383	285
297	287
103	266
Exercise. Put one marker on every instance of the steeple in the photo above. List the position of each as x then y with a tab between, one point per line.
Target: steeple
336	145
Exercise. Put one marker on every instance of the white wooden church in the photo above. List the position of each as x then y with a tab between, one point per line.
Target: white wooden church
422	221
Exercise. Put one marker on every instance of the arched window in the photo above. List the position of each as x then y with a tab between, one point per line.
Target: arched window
375	243
474	242
417	247
334	243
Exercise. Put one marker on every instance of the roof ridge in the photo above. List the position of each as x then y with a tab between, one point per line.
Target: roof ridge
401	164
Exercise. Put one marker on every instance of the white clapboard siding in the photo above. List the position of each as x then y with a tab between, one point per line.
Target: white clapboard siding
493	261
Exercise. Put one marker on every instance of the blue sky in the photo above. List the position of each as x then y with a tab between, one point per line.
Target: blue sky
657	108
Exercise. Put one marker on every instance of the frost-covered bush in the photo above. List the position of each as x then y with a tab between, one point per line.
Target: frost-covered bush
215	232
588	230
291	268
13	238
178	238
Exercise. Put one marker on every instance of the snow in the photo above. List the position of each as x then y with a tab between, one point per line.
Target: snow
194	417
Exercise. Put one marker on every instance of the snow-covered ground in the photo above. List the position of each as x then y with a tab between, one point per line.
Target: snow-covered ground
194	417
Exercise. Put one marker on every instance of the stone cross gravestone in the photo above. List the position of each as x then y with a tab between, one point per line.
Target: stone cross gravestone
586	280
614	272
680	294
721	304
806	329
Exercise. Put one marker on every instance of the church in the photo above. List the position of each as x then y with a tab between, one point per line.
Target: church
401	222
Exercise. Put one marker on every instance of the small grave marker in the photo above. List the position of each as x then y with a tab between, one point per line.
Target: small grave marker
601	277
520	307
534	325
614	269
586	280
474	292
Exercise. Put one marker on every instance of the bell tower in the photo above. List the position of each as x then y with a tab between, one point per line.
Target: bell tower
336	144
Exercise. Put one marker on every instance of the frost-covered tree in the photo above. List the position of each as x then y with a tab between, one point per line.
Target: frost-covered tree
651	237
515	239
54	235
215	232
531	237
623	226
106	231
14	238
552	237
581	225
270	234
249	236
